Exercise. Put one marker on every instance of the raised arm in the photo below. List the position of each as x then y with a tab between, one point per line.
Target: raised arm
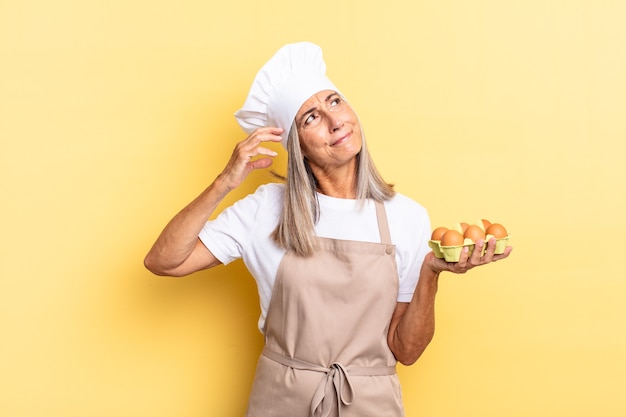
178	251
413	324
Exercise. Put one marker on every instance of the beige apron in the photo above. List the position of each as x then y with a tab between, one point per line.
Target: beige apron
326	351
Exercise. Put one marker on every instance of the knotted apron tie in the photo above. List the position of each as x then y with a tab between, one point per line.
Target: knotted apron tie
335	386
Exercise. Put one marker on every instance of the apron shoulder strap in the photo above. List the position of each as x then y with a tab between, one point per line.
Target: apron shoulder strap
383	225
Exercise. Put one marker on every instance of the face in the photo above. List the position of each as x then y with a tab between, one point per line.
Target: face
329	130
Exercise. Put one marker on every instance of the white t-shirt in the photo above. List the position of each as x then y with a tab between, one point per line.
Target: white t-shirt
244	229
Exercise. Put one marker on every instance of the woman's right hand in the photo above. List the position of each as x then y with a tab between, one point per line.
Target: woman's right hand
243	162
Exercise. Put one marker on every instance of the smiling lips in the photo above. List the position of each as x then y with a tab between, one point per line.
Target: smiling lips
341	139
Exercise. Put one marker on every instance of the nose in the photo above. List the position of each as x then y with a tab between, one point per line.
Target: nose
335	122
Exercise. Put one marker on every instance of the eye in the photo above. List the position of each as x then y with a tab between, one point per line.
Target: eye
334	102
309	119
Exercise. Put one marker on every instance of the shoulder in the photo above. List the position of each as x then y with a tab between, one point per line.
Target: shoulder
266	196
264	203
404	205
407	217
271	191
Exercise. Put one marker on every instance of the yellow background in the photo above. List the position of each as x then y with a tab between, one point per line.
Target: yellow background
114	114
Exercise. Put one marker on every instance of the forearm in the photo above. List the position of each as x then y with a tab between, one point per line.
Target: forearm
178	239
413	325
177	251
413	328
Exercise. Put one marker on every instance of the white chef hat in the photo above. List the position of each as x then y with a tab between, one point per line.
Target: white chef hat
294	74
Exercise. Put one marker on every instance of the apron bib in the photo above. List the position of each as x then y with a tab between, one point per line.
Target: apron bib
326	352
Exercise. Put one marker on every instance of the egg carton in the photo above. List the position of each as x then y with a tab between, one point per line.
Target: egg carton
453	253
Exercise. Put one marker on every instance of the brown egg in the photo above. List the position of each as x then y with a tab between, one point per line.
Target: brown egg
438	232
486	224
497	230
451	238
464	226
474	232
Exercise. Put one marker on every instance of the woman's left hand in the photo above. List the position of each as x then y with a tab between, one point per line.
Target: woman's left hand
467	261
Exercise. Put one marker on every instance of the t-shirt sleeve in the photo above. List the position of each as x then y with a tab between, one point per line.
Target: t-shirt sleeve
230	233
413	255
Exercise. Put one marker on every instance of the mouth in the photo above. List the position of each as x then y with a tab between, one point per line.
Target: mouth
342	139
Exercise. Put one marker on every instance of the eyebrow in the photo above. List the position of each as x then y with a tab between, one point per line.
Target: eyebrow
312	109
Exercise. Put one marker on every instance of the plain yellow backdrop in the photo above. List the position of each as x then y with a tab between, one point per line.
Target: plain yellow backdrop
114	114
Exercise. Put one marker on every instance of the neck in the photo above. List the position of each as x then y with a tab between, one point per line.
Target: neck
339	183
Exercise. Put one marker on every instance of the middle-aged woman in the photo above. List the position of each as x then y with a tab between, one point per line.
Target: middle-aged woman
346	281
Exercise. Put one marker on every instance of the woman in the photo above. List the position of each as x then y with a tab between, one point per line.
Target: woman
346	282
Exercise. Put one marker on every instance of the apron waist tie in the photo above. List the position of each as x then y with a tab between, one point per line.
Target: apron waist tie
337	383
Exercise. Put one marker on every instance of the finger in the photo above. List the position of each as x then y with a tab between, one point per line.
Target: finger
462	264
261	163
265	134
489	251
270	129
477	252
264	161
250	157
250	148
273	136
507	252
260	150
